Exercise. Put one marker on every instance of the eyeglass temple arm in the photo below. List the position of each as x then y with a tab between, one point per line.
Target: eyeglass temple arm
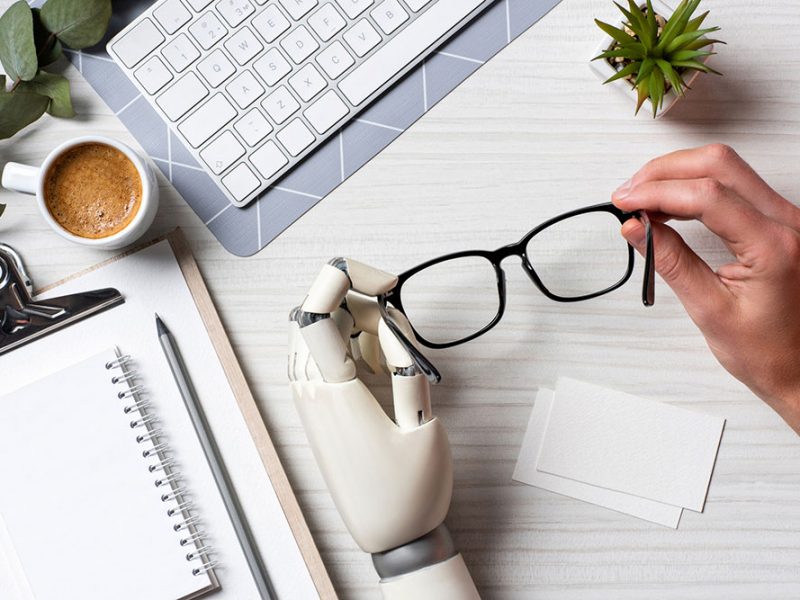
649	282
425	366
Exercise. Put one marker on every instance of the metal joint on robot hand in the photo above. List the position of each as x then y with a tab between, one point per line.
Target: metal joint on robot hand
304	319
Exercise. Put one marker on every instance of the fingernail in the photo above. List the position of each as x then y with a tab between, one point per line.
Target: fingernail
634	232
623	190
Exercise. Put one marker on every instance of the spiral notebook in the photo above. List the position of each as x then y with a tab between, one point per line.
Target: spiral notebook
102	514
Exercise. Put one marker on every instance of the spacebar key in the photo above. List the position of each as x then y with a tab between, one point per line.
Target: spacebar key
402	50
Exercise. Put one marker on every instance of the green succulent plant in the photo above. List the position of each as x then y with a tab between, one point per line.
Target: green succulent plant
654	54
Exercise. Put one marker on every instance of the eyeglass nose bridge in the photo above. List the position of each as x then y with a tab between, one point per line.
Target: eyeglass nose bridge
518	249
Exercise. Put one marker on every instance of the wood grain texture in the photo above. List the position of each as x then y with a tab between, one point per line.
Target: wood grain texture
532	134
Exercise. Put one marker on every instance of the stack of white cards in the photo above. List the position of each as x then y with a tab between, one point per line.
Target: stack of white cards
636	456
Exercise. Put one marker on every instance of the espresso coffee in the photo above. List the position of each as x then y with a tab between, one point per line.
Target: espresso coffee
93	190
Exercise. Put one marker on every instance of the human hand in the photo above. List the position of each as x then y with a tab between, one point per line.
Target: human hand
748	309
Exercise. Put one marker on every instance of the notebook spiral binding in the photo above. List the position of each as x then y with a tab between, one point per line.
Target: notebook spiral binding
167	476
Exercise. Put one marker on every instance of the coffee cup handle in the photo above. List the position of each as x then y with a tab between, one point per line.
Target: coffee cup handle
20	178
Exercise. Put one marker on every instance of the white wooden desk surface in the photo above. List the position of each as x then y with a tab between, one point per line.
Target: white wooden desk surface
530	135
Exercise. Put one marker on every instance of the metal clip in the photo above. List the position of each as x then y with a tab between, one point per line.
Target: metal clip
23	320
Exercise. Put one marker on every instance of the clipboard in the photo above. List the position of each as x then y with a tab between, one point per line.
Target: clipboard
244	398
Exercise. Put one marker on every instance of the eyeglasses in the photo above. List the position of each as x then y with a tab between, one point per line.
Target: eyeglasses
572	257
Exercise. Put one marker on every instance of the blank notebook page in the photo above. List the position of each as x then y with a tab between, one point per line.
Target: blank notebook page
78	502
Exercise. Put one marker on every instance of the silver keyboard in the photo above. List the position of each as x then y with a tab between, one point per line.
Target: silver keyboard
254	86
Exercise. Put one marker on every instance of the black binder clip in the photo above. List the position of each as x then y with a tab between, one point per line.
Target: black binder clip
23	320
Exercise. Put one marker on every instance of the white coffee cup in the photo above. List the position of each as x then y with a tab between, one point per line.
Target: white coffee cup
31	180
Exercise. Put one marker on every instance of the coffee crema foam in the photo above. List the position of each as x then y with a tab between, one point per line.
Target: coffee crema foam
93	190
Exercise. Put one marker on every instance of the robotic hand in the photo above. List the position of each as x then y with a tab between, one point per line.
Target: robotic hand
390	480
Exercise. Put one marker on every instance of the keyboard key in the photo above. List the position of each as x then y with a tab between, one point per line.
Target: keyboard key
308	82
335	60
268	159
153	74
180	52
216	68
245	89
389	16
272	67
207	30
270	23
222	152
241	182
327	22
353	8
297	9
138	43
416	5
299	44
428	29
207	120
295	137
172	15
183	95
243	46
280	105
362	37
235	11
198	5
253	127
326	112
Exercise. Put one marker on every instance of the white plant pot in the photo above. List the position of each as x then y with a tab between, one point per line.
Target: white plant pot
604	70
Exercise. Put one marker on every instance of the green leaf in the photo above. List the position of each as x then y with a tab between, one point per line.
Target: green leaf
637	22
633	52
656	90
77	23
624	72
17	51
626	12
56	88
687	38
702	43
695	23
618	35
19	109
651	22
696	65
642	90
688	55
48	48
647	67
676	23
671	75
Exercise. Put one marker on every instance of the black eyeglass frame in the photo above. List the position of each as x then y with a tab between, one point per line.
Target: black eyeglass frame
496	257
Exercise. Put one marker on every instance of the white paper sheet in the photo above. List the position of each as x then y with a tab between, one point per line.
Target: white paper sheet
621	442
525	472
14	583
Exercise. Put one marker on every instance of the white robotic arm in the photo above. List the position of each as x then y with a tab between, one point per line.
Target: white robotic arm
390	480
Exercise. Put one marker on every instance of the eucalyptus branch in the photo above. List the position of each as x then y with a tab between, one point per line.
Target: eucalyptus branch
30	40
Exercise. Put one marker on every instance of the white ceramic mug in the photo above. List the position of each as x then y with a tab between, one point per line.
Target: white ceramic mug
31	180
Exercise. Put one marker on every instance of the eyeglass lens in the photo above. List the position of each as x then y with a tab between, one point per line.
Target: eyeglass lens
579	256
452	300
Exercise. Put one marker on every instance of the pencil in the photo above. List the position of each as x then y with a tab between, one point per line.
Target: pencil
210	449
